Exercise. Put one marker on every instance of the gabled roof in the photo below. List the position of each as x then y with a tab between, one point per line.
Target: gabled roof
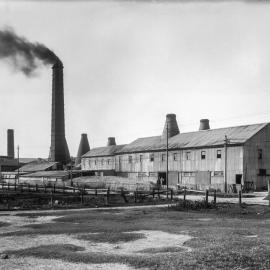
103	151
203	138
38	165
48	174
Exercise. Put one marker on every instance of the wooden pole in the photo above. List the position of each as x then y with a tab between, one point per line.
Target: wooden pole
206	198
108	195
18	171
269	192
240	197
171	194
185	191
225	164
167	160
215	197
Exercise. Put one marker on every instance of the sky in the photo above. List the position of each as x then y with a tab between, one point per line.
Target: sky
129	63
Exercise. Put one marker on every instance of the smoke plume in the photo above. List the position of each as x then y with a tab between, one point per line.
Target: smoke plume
24	55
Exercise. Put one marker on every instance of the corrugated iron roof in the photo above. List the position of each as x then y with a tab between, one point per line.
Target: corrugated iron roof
38	165
49	174
104	151
201	138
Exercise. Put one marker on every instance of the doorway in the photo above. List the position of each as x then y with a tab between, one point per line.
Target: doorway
163	178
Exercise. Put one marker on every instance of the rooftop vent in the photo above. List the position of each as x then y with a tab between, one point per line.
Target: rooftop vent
111	141
204	124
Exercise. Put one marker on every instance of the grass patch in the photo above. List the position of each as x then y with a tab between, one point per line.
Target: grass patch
219	237
162	250
4	224
111	237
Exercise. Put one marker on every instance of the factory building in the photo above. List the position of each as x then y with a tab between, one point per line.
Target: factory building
222	159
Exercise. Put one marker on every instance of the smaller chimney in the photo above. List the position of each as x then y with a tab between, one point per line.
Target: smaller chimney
83	148
172	126
111	141
10	143
204	124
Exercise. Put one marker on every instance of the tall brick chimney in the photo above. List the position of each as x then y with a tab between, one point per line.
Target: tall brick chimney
172	126
59	149
10	143
83	148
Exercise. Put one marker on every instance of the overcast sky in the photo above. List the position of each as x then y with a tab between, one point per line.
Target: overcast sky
129	63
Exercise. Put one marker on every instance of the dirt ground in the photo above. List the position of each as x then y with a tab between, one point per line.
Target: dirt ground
150	238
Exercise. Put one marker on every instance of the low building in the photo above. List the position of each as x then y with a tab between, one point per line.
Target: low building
209	158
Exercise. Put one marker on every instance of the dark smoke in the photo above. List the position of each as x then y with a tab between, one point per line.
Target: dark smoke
24	56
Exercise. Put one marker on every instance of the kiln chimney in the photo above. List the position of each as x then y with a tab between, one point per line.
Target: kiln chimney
10	143
59	150
172	125
83	148
204	124
111	141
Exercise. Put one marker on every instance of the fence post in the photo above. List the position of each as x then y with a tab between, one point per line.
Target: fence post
158	192
81	196
171	194
153	193
269	192
240	197
51	199
215	197
185	193
206	198
135	196
108	194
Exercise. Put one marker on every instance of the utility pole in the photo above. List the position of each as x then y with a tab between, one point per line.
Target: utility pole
167	153
225	163
18	171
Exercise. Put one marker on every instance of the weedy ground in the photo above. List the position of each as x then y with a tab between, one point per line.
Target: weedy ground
227	237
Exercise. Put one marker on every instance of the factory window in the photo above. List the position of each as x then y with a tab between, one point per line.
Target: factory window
108	161
129	159
218	153
259	153
203	154
163	157
141	158
175	156
218	173
152	157
262	172
102	161
95	162
188	155
188	173
89	162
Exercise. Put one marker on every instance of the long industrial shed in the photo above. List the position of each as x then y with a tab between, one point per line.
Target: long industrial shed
222	159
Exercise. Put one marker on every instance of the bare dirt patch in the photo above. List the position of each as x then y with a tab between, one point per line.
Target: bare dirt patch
32	263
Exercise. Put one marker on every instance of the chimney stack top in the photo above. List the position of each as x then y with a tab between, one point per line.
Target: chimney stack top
204	124
172	125
111	141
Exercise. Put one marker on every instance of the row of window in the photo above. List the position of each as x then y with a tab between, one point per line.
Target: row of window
175	157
